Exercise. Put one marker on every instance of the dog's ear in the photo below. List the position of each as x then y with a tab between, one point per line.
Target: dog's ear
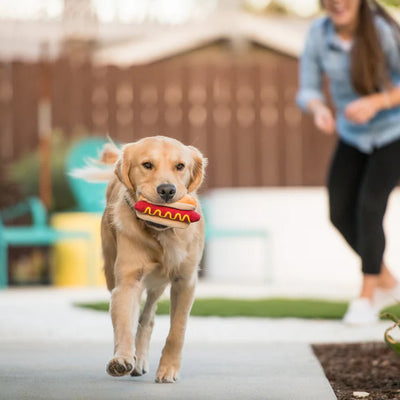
197	169
122	169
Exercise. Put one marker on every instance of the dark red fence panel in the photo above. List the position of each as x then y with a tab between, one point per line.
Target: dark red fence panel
241	114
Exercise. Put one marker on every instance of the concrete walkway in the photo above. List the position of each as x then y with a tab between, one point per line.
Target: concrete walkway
210	371
50	349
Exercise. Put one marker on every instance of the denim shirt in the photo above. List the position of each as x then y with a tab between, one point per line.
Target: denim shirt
324	54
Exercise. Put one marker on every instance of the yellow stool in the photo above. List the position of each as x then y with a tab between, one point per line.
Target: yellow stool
78	262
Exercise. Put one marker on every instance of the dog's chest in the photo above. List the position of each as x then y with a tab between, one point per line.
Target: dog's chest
174	253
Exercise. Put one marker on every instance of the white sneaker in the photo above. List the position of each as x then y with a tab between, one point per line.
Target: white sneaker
386	297
361	311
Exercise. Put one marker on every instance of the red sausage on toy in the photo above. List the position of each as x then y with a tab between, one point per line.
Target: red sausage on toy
176	215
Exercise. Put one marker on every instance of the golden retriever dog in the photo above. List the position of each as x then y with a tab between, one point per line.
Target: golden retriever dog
140	256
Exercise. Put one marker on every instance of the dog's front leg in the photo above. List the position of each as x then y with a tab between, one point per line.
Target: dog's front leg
124	307
145	328
182	295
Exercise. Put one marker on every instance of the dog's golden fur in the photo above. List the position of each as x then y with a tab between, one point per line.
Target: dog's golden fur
139	257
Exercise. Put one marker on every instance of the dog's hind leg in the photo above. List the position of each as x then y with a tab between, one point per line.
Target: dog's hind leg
109	251
109	262
145	328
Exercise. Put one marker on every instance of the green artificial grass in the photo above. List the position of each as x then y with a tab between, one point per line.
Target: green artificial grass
259	308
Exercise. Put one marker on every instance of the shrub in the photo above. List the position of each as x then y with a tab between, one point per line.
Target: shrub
25	172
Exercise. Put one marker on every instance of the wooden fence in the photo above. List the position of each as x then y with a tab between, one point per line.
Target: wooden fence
241	115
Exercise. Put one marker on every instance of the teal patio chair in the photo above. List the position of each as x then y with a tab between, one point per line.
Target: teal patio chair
36	234
90	196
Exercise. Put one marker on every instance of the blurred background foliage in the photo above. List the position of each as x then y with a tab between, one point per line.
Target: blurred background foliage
25	173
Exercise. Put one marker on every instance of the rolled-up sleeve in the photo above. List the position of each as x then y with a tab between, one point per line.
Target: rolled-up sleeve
310	69
391	48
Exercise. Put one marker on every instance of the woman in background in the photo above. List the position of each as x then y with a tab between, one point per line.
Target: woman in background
357	46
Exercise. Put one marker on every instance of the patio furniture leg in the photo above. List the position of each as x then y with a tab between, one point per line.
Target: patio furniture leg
3	266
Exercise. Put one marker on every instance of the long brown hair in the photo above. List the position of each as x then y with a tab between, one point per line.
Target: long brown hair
369	69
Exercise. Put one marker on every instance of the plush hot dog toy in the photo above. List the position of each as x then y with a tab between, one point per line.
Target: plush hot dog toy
176	215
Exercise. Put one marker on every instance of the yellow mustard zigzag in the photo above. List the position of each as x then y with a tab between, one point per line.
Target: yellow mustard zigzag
167	215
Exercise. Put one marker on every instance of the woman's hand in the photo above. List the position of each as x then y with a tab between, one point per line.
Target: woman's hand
364	109
323	117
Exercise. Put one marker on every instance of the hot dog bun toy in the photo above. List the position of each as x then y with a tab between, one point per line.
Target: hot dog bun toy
176	215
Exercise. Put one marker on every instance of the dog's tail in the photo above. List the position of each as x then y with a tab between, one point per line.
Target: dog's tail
102	169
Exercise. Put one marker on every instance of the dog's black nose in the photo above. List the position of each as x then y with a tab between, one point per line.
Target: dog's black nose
166	191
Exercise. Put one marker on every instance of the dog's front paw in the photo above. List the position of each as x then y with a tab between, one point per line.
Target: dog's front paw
119	366
141	367
167	373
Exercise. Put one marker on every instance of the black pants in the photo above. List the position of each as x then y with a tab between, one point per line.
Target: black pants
359	187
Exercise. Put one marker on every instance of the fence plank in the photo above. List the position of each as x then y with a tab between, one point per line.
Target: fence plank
270	133
293	141
246	164
7	149
25	81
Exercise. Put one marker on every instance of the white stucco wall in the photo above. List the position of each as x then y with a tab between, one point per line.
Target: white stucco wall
304	255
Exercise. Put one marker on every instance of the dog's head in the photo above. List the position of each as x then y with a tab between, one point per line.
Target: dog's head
162	169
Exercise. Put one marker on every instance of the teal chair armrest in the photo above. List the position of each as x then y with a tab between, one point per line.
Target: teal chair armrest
32	206
39	213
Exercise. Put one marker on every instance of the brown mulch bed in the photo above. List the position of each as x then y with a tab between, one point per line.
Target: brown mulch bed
361	367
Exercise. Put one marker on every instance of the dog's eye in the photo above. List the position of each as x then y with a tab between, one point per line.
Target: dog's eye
180	166
148	165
